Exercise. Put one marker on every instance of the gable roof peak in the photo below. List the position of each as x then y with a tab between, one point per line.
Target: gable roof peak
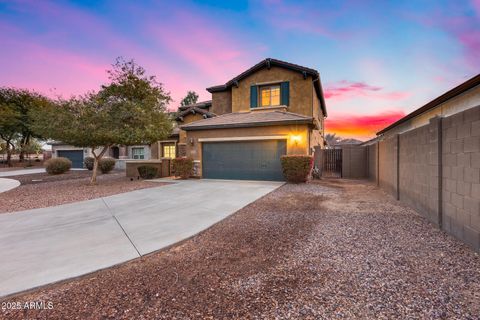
266	63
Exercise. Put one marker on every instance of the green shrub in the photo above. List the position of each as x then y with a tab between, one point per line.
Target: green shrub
88	162
57	165
147	172
296	168
106	164
182	167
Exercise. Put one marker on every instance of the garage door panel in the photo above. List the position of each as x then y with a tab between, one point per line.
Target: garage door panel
76	156
245	160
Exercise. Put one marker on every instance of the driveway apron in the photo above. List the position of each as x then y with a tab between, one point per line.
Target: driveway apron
47	245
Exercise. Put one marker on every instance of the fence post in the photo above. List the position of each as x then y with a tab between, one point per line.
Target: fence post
397	142
378	163
440	170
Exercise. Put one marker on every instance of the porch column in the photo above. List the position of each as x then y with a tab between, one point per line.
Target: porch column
122	151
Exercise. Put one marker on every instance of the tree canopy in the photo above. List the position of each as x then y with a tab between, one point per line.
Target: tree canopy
16	122
130	110
190	98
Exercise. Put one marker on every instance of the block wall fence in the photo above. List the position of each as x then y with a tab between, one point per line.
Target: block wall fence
435	169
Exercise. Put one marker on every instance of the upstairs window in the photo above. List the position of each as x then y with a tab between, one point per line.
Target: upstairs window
270	96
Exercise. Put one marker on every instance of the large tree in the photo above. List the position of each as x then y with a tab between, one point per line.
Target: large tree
16	106
332	139
130	110
10	124
190	98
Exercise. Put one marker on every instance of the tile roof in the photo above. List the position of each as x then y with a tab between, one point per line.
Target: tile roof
269	62
248	119
202	105
175	131
194	110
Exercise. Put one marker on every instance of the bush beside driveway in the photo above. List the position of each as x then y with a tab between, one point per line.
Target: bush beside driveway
335	249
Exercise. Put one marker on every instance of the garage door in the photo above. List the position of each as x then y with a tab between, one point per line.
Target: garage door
243	160
76	156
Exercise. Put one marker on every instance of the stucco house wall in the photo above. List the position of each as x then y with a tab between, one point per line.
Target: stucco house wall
221	102
300	147
301	90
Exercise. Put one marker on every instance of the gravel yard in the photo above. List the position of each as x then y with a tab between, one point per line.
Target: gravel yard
43	190
334	249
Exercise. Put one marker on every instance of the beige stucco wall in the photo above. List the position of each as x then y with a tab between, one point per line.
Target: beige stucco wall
182	136
462	102
301	131
317	110
300	90
221	102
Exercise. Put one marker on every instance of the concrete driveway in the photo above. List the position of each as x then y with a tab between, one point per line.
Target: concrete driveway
18	172
46	245
21	172
8	184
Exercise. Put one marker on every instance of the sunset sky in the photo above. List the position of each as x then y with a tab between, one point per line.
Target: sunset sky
377	60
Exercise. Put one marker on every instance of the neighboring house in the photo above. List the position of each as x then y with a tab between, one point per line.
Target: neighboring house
460	98
272	109
78	154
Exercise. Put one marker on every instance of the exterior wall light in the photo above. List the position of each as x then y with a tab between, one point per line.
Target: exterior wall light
296	139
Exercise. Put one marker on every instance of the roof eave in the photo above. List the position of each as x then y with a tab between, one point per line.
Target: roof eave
246	125
269	62
467	85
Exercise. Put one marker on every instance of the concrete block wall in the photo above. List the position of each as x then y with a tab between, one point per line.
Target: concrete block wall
387	165
372	157
354	162
418	170
461	175
435	169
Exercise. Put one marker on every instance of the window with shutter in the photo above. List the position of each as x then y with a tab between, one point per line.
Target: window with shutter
253	96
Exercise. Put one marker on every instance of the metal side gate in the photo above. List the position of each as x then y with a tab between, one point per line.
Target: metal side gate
332	163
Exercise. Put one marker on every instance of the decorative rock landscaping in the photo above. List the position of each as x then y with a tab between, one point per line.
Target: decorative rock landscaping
334	249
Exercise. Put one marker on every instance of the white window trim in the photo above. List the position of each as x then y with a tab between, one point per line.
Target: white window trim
254	138
270	87
143	154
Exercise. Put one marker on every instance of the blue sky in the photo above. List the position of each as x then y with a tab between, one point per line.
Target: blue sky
377	60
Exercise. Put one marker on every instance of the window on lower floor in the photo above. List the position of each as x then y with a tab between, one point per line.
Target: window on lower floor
169	151
138	153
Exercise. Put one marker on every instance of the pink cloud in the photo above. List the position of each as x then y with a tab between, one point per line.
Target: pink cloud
40	64
49	70
307	17
476	6
344	90
361	126
467	32
462	27
204	47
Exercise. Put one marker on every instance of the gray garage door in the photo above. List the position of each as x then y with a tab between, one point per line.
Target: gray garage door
243	160
76	156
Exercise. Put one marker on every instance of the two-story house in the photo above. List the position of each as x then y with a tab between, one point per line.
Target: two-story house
272	109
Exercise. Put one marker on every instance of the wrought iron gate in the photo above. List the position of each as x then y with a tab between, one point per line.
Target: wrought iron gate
332	163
